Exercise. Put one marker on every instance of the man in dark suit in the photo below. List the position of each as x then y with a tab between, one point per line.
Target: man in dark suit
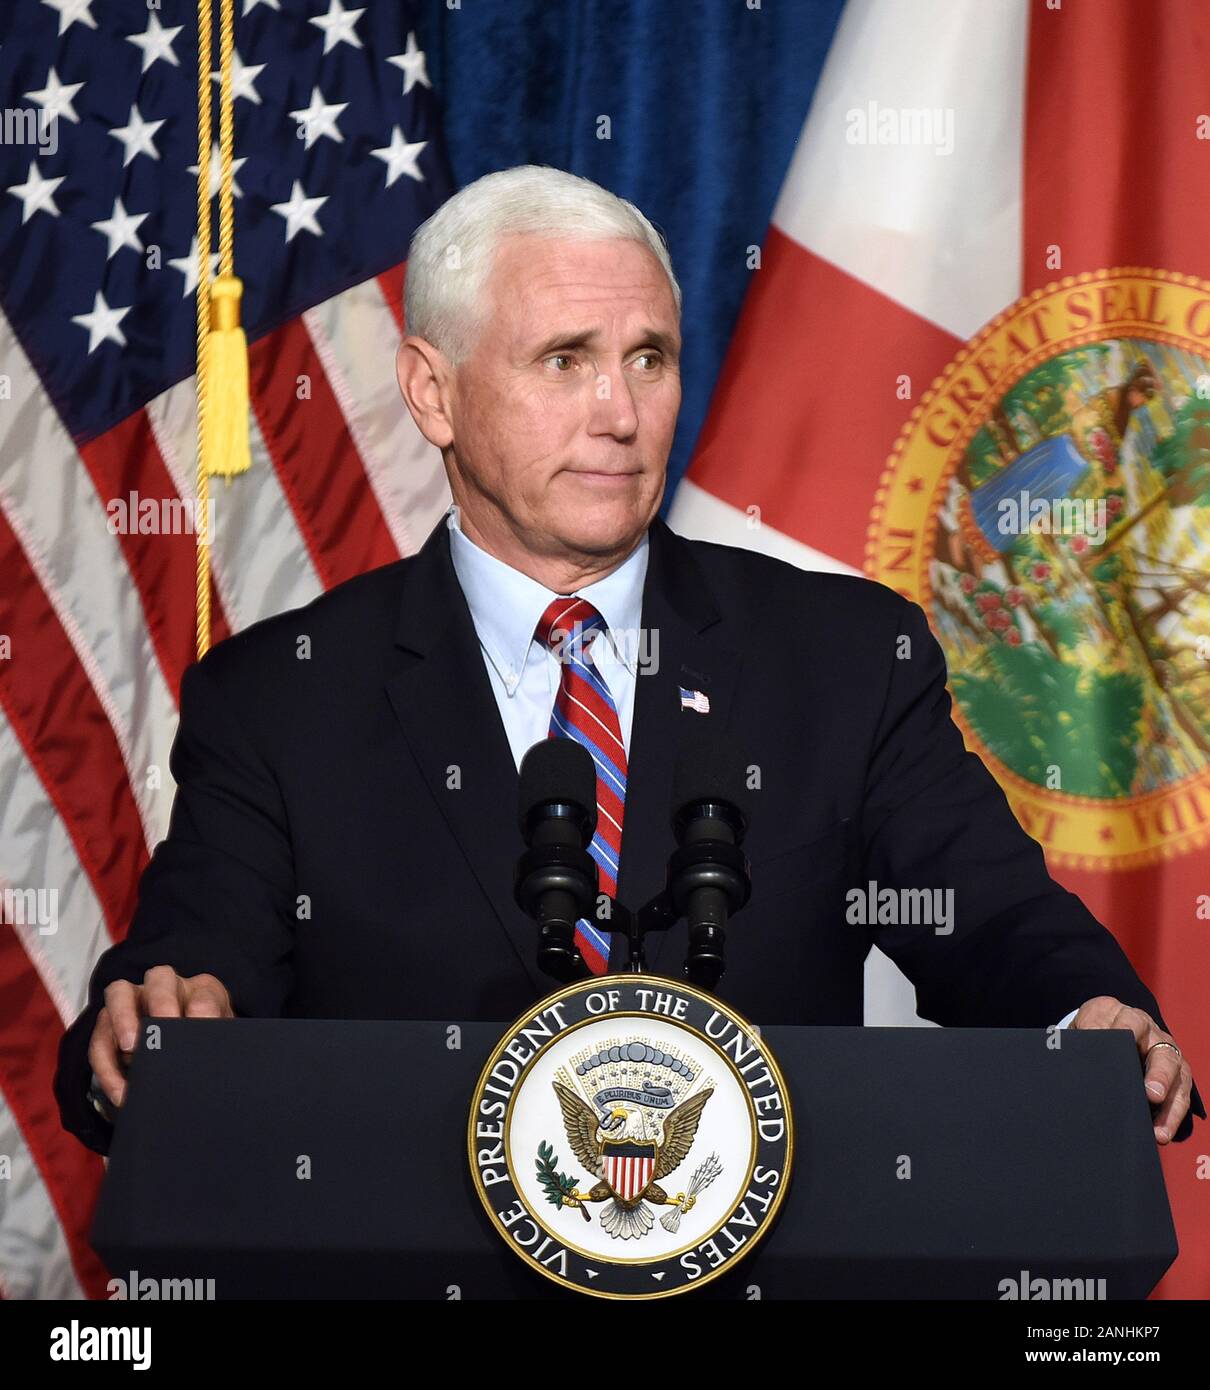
344	834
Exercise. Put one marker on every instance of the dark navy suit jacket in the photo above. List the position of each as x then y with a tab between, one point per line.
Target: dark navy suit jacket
344	833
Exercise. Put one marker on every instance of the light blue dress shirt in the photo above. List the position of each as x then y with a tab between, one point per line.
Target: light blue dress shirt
505	607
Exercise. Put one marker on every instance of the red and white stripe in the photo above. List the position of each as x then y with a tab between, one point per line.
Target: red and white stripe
629	1174
101	628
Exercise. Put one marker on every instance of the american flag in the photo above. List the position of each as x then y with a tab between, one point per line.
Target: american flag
338	158
695	700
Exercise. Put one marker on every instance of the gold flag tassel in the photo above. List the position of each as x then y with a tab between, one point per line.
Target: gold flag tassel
222	348
225	445
225	442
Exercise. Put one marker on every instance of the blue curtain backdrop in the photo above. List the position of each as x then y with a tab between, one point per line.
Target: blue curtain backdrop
706	100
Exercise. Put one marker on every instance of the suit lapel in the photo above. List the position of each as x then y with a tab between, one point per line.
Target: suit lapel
444	703
679	611
443	700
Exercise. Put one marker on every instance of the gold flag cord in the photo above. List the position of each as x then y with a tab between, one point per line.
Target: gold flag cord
204	44
222	353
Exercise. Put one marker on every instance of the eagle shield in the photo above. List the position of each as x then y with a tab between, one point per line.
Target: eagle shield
628	1169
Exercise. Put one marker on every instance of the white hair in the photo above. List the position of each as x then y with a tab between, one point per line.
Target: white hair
452	253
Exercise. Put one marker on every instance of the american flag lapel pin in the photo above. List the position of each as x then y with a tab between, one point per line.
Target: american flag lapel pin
695	700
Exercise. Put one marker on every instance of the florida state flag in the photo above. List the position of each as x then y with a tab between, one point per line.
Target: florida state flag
974	364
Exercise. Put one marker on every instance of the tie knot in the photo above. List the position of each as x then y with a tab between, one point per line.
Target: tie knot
568	624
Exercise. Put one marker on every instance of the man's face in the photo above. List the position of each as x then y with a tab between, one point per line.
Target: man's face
563	414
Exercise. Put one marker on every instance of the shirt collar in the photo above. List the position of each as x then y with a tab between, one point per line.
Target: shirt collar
505	604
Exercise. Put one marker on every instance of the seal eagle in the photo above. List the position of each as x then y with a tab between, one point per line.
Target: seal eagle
670	1137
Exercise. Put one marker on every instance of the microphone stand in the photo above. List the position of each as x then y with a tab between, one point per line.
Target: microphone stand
713	865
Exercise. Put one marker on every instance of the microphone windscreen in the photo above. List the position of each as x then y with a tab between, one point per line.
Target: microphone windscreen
708	769
557	769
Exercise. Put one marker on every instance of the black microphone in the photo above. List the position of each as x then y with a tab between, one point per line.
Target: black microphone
555	881
708	875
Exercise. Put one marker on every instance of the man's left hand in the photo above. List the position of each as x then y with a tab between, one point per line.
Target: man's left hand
1166	1078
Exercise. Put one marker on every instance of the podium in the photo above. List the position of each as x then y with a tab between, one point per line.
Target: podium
295	1158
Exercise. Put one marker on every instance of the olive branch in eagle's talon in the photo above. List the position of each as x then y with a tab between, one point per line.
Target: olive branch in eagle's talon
559	1188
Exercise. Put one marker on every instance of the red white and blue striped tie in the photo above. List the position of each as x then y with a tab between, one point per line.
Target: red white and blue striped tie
584	710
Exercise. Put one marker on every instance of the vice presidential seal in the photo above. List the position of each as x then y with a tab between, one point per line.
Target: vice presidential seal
631	1137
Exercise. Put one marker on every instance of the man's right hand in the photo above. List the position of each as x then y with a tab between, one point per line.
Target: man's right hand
163	994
